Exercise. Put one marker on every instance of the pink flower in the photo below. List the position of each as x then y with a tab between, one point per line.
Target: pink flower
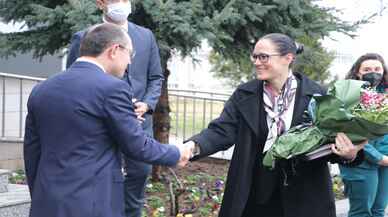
371	100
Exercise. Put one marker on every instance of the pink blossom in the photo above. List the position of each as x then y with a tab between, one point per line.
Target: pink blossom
371	100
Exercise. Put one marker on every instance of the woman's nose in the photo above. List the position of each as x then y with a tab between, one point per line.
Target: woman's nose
257	62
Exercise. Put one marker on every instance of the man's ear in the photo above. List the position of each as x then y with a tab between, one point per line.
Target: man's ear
112	51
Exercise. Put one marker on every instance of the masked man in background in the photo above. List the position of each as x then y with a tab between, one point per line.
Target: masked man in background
145	78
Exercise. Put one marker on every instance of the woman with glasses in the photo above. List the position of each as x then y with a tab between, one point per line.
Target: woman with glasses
255	115
366	185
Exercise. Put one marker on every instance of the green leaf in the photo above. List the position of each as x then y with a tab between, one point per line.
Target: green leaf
333	114
298	140
347	91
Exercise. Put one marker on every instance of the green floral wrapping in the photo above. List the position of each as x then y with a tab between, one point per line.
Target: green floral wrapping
332	113
296	141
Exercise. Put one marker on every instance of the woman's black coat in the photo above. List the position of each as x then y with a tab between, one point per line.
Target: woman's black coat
243	123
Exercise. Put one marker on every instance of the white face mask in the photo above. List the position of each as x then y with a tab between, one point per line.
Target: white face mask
118	12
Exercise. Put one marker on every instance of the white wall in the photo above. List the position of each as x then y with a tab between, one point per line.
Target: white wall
188	74
15	106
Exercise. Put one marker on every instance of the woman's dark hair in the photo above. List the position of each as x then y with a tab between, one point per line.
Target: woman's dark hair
284	43
368	56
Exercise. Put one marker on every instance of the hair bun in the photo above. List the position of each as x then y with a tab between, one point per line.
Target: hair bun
299	48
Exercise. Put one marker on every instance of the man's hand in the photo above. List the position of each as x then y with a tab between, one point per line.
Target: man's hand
384	161
191	145
345	148
141	108
186	151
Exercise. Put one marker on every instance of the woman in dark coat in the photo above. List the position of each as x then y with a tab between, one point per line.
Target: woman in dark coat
257	112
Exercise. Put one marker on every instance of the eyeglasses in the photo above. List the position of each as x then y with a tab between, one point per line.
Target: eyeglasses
263	57
132	53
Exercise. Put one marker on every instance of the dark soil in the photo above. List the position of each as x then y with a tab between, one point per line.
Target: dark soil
200	180
201	195
211	166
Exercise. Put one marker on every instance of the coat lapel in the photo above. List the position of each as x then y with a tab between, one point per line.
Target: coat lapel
249	104
251	100
303	96
299	106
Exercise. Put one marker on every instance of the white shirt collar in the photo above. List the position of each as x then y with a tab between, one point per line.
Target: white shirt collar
83	59
123	26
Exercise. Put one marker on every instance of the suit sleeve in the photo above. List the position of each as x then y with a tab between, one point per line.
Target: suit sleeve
155	76
73	50
128	134
221	133
31	147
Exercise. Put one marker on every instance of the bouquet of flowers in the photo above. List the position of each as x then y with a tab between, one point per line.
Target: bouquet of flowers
373	106
362	114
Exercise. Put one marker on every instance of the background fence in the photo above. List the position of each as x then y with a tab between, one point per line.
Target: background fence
191	110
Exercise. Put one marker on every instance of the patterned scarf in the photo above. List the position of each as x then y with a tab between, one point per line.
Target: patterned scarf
276	108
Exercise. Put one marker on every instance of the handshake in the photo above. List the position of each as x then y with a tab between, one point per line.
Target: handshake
187	152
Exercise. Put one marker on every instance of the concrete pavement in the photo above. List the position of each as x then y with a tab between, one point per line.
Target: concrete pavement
343	207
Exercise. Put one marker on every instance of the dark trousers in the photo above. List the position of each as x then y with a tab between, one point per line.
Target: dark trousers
134	185
272	208
136	178
265	199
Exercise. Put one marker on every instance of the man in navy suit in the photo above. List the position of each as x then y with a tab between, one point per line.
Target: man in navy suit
77	125
145	77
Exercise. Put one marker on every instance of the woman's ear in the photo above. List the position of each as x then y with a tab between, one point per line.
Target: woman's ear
290	57
358	76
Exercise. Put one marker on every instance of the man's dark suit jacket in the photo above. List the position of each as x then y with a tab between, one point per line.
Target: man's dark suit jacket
144	74
77	122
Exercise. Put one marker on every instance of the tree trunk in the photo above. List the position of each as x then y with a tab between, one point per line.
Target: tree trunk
161	116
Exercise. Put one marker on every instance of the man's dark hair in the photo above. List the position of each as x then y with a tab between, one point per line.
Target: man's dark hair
100	37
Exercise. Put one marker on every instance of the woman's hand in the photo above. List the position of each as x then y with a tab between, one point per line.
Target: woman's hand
345	148
384	161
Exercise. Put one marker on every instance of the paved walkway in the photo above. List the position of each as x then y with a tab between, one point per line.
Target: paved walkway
16	203
343	207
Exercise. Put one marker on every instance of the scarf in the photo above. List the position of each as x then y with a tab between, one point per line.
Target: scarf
276	108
